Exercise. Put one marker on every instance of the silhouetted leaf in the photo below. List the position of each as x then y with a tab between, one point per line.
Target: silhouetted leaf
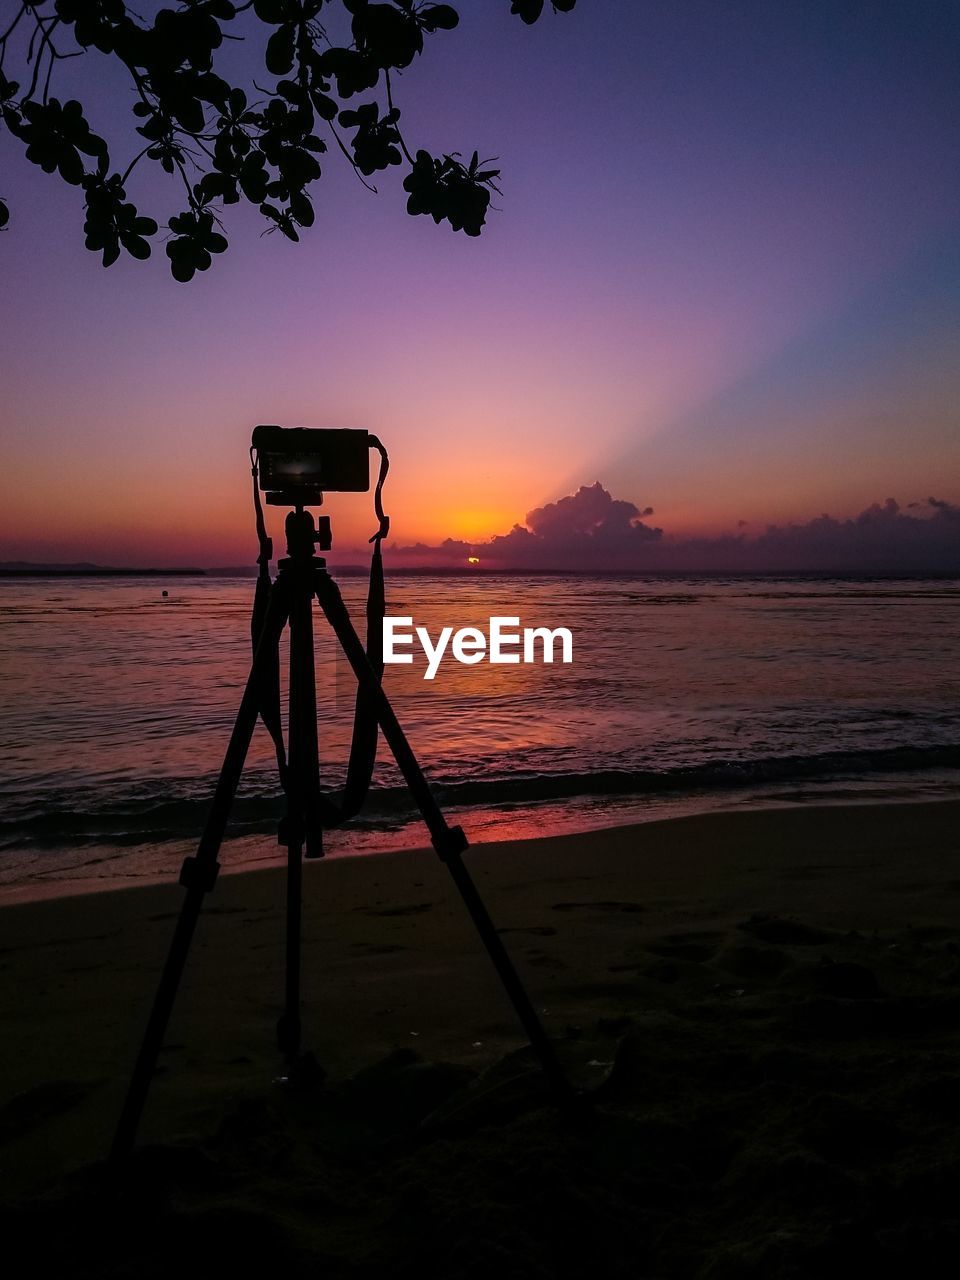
195	241
280	50
188	111
439	17
253	177
275	11
324	105
389	37
353	71
180	268
282	220
136	246
528	10
302	209
93	21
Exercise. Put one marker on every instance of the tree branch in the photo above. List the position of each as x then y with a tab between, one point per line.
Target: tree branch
255	150
390	106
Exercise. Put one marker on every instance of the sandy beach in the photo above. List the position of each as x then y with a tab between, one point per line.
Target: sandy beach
763	1009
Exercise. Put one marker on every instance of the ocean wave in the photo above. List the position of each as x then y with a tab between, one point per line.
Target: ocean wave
154	812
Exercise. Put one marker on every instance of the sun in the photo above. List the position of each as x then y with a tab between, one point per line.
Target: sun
473	559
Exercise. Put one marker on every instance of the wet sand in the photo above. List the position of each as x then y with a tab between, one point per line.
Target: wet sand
763	1007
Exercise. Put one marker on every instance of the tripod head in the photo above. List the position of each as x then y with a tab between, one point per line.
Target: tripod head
303	536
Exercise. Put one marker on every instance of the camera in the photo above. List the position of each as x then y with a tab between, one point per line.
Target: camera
296	464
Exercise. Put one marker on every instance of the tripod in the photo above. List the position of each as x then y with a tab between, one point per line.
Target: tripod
301	577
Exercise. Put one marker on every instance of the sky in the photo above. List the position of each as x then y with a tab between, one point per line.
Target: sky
722	283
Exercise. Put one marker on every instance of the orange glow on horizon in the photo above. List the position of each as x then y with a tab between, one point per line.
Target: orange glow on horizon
468	523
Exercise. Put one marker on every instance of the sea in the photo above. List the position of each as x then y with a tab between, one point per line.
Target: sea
685	694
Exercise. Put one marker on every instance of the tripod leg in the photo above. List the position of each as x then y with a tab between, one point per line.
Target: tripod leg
449	842
303	784
198	876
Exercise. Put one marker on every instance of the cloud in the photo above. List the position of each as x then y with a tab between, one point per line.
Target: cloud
882	537
590	529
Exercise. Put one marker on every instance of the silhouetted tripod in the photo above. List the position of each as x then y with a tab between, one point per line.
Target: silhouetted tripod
303	576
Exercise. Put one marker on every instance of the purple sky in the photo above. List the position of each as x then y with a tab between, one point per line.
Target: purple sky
724	283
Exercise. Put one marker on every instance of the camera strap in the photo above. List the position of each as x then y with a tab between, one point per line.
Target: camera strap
363	745
269	699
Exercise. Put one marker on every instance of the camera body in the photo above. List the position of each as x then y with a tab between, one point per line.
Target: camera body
296	464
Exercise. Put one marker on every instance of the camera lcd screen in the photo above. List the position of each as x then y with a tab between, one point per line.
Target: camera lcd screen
298	458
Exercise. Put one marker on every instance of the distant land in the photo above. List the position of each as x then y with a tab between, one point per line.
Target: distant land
23	569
